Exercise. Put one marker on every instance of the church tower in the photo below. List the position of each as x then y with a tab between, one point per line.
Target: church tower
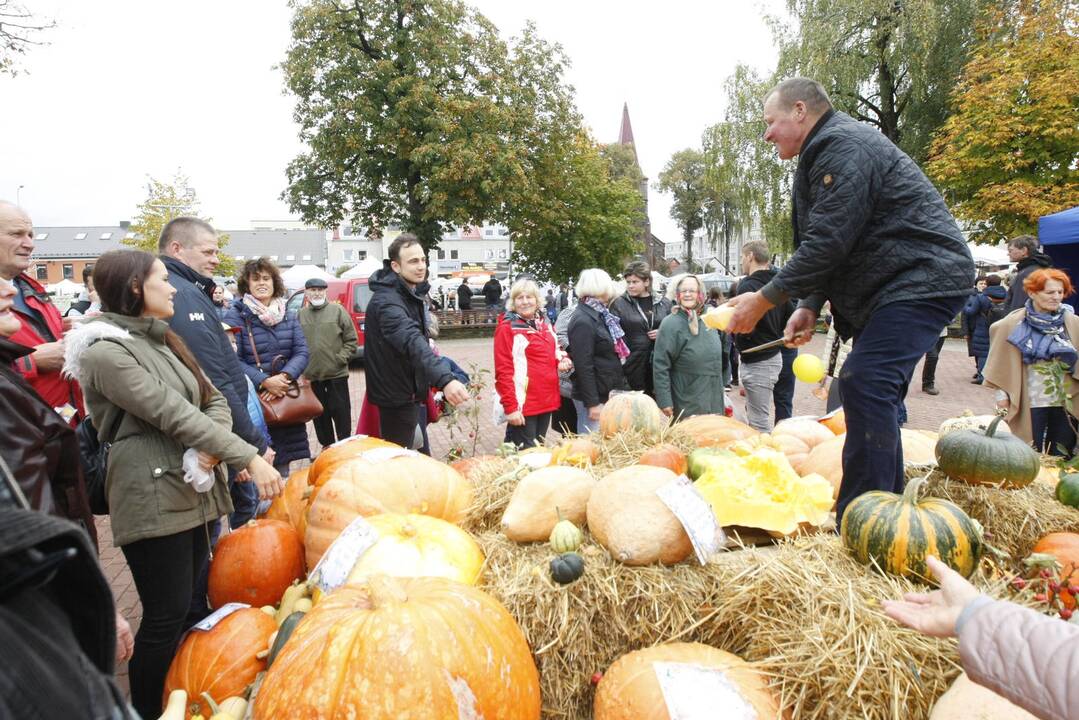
651	247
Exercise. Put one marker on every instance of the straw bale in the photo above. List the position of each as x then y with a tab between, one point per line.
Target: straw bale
492	485
803	611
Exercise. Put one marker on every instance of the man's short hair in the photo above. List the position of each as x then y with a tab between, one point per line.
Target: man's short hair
401	242
991	280
184	230
758	250
87	273
1025	242
809	91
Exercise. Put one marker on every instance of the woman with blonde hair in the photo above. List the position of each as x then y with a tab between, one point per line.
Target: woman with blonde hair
597	346
688	364
527	361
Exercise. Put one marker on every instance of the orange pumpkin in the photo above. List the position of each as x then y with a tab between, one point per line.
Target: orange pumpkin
221	661
631	411
836	421
667	456
712	430
342	451
577	451
291	505
466	466
826	459
255	563
410	484
631	690
808	430
1064	546
423	648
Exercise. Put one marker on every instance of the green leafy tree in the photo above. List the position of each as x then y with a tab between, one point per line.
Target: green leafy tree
419	114
890	63
623	162
684	178
1009	154
19	30
164	201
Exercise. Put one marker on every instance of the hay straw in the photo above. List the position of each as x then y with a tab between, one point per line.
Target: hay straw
493	482
805	612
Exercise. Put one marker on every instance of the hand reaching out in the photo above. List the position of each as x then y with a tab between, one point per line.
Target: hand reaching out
934	613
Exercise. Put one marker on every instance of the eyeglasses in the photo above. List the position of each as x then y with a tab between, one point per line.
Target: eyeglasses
688	292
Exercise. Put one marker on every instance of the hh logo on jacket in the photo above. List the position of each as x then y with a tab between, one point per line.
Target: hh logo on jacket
196	316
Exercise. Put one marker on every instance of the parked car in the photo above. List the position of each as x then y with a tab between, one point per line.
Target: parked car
353	295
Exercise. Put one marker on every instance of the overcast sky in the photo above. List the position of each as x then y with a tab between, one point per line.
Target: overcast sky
128	89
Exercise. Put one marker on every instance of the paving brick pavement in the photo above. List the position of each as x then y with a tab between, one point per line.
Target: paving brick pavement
925	412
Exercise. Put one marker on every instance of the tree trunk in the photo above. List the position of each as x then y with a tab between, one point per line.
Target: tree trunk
889	119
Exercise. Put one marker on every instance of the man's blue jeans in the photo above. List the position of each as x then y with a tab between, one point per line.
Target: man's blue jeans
783	392
874	378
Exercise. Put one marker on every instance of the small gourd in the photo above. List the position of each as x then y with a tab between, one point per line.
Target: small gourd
1067	490
176	709
283	634
565	537
567	567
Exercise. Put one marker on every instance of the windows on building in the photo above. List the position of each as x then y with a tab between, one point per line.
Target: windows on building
348	254
488	232
69	270
502	254
306	257
106	236
290	258
41	236
453	255
42	272
80	236
441	254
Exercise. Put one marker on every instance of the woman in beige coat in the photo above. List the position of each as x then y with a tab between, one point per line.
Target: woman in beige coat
1028	350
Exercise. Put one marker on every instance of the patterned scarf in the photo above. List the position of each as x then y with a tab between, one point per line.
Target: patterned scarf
692	315
1041	336
270	314
614	327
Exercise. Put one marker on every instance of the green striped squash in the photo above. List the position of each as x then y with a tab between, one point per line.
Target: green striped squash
631	411
898	532
986	458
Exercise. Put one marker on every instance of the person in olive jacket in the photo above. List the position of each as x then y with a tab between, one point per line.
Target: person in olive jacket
640	313
331	341
688	362
139	377
597	348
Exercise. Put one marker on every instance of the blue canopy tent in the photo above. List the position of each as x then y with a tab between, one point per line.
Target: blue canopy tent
1059	235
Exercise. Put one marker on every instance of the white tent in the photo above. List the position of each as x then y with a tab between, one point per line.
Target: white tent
65	287
297	275
991	255
366	268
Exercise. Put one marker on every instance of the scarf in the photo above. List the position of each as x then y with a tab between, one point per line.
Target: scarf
1041	336
270	314
691	315
614	327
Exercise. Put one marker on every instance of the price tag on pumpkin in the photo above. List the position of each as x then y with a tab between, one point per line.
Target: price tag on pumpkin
695	692
337	562
218	615
696	516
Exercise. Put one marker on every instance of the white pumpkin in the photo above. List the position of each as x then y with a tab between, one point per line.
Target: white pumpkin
966	700
969	420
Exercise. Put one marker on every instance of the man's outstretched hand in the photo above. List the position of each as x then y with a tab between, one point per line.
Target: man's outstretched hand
748	310
934	613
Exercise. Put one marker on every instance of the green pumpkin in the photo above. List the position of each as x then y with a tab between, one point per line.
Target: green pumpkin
700	458
283	634
565	537
898	532
1068	490
567	567
985	458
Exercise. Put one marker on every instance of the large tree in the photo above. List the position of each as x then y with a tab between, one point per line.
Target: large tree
19	31
1009	154
417	113
890	63
683	178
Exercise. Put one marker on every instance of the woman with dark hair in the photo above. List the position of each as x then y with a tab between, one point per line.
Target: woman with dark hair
272	348
169	430
640	313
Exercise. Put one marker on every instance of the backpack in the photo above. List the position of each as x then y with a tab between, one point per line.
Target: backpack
995	312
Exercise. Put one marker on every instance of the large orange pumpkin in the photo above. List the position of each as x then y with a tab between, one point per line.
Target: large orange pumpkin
341	451
808	430
1064	546
221	661
291	505
255	563
631	411
826	459
418	648
631	690
836	421
667	456
409	484
577	451
710	430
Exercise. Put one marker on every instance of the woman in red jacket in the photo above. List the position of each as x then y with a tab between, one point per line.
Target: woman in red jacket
527	361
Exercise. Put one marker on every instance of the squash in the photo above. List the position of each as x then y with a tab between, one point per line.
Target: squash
419	546
576	451
631	690
532	511
408	484
255	563
343	451
221	661
403	647
176	706
567	567
566	537
283	634
289	598
1067	490
1064	546
808	430
667	456
235	707
826	459
631	411
710	430
795	448
701	458
627	518
969	421
967	700
898	532
836	421
985	458
291	505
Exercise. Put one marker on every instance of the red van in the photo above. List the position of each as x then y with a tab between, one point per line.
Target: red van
353	295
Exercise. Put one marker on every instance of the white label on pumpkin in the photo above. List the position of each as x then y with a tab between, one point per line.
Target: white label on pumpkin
382	454
337	562
695	692
218	615
346	440
696	516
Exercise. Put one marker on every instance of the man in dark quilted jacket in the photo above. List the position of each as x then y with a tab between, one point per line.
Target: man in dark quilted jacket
874	238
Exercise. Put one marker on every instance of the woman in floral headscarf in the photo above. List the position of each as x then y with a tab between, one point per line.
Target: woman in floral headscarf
687	367
597	347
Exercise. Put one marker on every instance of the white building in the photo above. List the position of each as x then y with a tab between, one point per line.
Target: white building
463	251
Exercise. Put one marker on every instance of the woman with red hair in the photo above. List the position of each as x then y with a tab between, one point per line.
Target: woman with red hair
1031	351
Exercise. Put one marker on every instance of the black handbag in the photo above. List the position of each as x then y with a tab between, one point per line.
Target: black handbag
94	455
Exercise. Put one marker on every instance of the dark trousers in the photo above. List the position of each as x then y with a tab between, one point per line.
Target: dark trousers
875	377
979	363
565	418
783	392
531	433
735	362
405	425
1052	431
164	570
336	410
929	369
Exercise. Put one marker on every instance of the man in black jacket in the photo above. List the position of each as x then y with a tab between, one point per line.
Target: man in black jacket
401	366
1023	250
873	237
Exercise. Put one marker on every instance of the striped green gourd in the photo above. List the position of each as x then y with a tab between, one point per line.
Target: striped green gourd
898	532
985	458
631	411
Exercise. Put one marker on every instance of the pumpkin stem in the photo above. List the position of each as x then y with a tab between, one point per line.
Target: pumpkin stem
989	431
561	517
214	709
910	492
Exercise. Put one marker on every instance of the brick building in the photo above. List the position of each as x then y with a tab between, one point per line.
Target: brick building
653	250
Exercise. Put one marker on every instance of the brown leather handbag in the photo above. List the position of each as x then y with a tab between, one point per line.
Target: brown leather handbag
299	403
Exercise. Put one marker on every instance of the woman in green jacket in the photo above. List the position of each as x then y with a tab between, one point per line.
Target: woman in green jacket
148	396
687	368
